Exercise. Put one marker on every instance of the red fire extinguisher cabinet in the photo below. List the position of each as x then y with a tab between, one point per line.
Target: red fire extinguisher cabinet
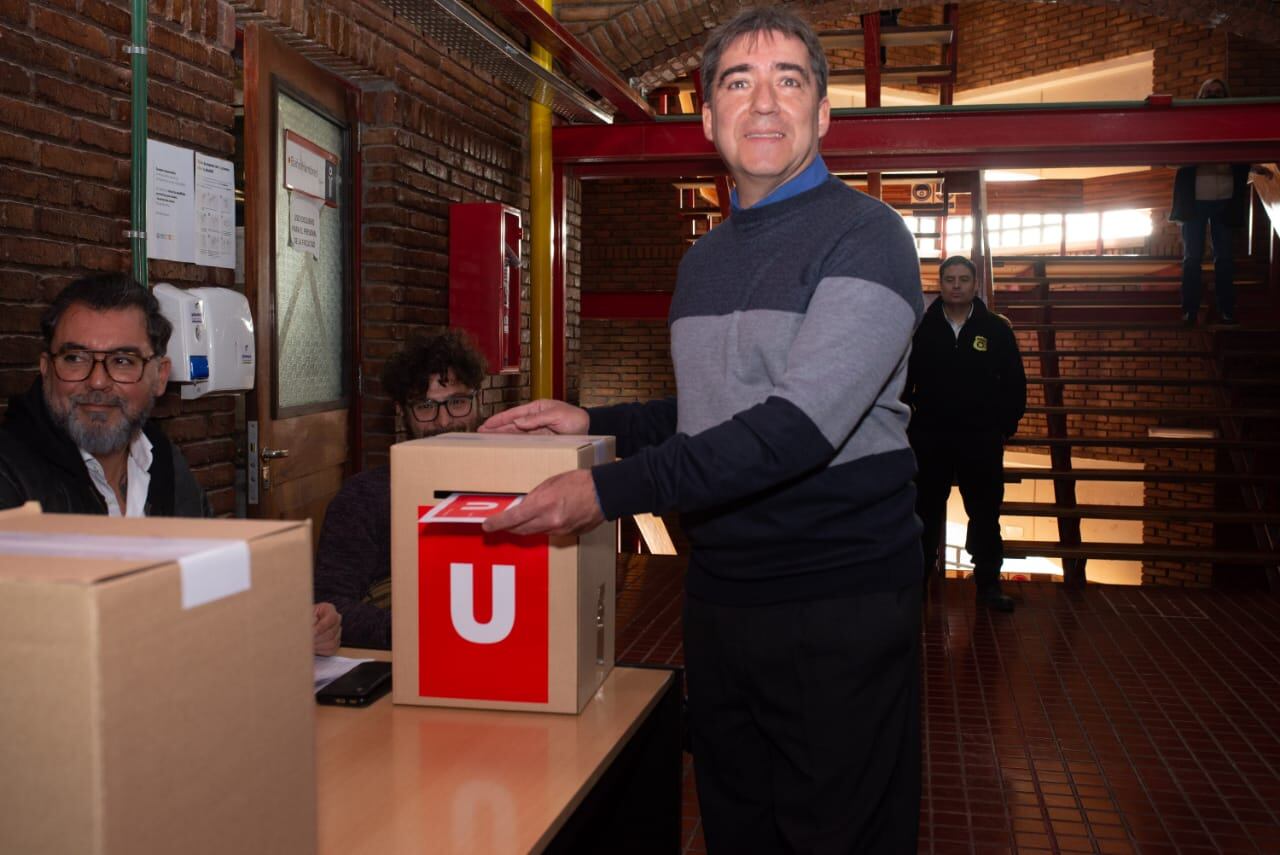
484	280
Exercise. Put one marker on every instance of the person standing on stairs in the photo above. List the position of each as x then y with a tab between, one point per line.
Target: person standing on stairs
967	391
1216	195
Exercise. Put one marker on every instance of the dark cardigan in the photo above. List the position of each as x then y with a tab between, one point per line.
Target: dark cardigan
1184	196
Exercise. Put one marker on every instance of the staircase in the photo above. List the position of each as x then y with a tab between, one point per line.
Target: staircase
874	38
1119	391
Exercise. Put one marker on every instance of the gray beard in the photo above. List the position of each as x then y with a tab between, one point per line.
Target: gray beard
93	433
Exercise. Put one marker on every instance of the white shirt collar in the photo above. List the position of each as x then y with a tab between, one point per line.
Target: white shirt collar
137	473
956	326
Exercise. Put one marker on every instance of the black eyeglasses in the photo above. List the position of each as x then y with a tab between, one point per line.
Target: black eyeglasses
456	405
122	366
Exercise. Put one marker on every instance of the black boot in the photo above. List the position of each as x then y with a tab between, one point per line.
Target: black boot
993	598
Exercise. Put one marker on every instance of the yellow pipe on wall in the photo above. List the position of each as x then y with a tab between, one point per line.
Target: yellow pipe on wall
541	240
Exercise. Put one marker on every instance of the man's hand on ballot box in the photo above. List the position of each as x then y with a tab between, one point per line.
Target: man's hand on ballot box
563	504
543	416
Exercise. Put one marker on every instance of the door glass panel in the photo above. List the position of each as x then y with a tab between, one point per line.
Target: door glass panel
309	263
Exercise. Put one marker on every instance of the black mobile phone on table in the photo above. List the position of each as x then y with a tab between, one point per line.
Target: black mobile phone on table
359	687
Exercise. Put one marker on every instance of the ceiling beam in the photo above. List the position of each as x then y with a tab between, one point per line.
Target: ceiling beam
1155	132
578	60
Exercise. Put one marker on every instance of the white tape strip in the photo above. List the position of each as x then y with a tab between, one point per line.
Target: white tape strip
214	573
211	569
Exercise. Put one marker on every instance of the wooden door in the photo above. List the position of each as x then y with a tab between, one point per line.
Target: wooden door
298	276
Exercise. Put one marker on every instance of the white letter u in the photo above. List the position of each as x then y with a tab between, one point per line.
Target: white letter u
462	603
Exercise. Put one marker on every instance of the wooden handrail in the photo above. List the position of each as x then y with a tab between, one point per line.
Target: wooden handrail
1099	326
1134	552
1151	381
1135	512
1072	353
1110	279
1098	298
1140	442
1171	476
1091	279
1207	412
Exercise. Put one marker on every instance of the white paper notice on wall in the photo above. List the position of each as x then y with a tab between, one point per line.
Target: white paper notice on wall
304	223
171	202
215	212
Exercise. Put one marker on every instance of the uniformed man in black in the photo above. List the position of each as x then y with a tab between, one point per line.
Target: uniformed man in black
967	391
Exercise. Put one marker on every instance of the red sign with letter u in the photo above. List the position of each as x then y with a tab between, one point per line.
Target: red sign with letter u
482	614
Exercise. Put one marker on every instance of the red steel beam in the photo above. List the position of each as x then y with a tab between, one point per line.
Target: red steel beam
539	25
871	57
625	305
1120	134
950	54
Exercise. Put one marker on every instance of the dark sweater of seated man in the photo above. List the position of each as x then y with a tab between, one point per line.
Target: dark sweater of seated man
433	383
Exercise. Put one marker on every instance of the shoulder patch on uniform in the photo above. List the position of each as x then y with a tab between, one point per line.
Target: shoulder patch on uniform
980	342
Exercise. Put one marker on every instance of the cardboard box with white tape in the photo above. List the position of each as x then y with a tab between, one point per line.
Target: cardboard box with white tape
158	686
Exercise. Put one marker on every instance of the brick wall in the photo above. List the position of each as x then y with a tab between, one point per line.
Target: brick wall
625	361
1136	425
419	157
1001	41
1004	41
1253	68
660	40
850	59
435	130
64	174
1192	533
573	349
634	237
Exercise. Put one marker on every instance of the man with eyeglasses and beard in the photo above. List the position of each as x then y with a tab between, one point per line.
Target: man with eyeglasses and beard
78	441
432	384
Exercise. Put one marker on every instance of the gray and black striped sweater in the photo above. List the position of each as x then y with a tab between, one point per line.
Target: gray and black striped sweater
787	454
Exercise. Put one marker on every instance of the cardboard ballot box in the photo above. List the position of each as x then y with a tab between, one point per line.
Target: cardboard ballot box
158	686
494	620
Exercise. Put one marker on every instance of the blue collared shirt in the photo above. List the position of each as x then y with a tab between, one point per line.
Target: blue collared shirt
812	175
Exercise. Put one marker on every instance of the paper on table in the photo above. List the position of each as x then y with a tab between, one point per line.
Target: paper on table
330	668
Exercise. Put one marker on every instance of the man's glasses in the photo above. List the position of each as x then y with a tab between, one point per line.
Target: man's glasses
456	405
122	366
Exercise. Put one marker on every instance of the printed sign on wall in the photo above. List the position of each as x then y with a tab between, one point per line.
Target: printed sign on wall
171	207
311	177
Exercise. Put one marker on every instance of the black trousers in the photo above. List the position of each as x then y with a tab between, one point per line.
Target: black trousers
976	462
805	724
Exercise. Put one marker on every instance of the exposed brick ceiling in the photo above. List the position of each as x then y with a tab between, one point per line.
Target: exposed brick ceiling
656	41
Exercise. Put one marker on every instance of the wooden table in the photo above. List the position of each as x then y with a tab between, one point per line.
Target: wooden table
402	779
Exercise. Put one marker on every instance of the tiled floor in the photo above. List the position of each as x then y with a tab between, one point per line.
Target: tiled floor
1114	720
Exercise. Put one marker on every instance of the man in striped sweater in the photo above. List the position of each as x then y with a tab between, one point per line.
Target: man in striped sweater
786	454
